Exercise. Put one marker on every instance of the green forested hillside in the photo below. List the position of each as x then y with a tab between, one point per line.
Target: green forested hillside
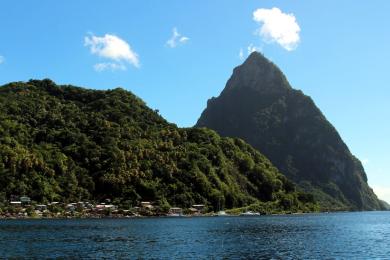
64	143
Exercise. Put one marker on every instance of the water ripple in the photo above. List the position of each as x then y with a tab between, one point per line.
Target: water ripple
363	235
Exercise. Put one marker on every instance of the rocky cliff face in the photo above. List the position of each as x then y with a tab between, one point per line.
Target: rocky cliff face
259	106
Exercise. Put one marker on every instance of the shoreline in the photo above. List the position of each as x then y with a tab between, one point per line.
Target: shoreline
183	216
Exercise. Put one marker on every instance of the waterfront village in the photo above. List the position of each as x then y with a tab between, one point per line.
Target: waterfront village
24	207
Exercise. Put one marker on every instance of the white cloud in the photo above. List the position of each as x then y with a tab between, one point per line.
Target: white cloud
183	39
109	65
241	54
2	59
113	48
176	39
382	192
251	48
278	27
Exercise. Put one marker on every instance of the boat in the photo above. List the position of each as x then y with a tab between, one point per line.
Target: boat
174	215
175	212
222	213
249	214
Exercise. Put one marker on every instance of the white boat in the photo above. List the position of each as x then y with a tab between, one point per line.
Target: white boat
249	214
222	213
174	215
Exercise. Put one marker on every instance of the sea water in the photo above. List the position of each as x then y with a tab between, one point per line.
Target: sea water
356	235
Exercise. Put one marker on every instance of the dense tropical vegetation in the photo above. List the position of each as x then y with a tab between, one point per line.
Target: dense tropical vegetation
64	143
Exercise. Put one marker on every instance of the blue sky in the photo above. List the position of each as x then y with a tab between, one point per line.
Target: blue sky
341	59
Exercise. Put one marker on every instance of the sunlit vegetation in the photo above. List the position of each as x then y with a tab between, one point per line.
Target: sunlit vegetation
64	143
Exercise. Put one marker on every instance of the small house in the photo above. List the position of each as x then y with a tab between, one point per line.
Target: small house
88	205
80	205
16	204
25	200
70	207
100	207
193	211
176	211
146	204
110	206
199	207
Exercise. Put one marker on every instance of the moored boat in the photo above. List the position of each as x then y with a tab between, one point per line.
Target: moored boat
250	214
222	213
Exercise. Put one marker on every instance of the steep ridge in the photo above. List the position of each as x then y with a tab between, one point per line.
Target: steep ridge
259	106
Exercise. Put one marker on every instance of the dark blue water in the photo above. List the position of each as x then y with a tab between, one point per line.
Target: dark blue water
363	235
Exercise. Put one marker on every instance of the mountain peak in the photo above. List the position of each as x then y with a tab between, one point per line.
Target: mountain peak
259	73
256	57
259	106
